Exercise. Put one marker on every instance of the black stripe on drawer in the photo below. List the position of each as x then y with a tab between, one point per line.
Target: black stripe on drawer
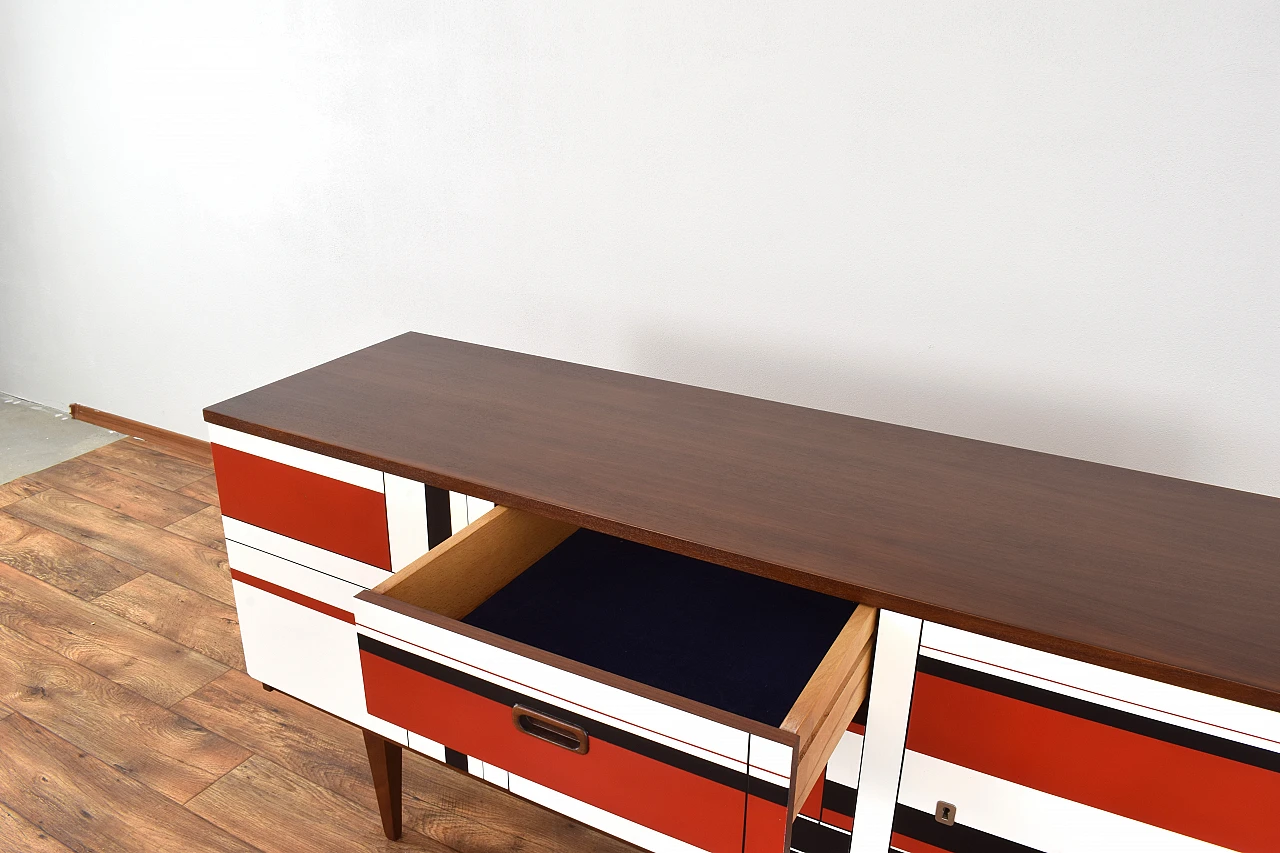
768	791
455	759
596	729
1189	738
839	798
809	836
957	839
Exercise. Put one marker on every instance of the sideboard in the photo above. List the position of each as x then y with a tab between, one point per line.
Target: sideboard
701	621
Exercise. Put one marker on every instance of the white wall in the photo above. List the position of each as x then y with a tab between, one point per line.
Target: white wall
1053	225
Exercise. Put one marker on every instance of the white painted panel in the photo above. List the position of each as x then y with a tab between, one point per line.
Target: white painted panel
303	553
296	457
660	723
830	827
1028	816
496	775
292	576
477	508
893	673
771	756
774	778
475	766
307	654
406	520
641	836
1132	693
464	510
426	746
846	762
457	511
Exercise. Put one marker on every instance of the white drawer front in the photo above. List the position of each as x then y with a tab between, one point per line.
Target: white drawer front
308	654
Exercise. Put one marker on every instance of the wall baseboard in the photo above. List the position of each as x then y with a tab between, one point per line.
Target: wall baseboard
174	443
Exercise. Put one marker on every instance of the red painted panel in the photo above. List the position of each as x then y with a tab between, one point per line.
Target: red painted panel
295	597
909	845
1186	791
641	789
320	511
813	804
843	821
766	827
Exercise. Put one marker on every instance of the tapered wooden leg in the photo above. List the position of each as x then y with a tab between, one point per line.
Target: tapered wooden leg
385	759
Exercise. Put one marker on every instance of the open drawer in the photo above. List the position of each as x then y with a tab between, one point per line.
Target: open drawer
674	703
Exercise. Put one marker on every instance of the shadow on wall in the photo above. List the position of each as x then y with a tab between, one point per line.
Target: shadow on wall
1066	420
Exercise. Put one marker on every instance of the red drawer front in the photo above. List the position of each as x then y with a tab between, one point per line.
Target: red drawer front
320	511
647	783
1190	783
766	818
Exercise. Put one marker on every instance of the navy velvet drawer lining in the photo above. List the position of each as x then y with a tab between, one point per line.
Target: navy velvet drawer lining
732	640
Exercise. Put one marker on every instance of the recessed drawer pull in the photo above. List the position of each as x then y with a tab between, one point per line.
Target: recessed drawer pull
558	732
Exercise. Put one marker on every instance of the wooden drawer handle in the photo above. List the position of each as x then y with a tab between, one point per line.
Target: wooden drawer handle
558	732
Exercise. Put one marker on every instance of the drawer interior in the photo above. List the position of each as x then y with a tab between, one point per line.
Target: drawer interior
783	656
738	642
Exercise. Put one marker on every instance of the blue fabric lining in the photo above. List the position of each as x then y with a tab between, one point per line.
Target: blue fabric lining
729	639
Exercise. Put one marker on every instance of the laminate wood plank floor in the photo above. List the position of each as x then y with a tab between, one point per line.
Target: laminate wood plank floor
127	722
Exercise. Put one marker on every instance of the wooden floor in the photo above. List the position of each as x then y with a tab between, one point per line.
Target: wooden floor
127	722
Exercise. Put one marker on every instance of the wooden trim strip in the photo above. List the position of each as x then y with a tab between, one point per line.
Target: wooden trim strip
174	443
295	597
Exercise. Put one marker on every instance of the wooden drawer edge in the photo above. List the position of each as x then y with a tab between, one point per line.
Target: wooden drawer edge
814	757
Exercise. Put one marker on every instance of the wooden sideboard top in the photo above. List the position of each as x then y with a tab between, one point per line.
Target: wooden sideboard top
1164	578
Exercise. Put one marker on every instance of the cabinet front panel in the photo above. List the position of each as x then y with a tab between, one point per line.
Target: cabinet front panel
304	647
672	726
1092	762
330	514
666	790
